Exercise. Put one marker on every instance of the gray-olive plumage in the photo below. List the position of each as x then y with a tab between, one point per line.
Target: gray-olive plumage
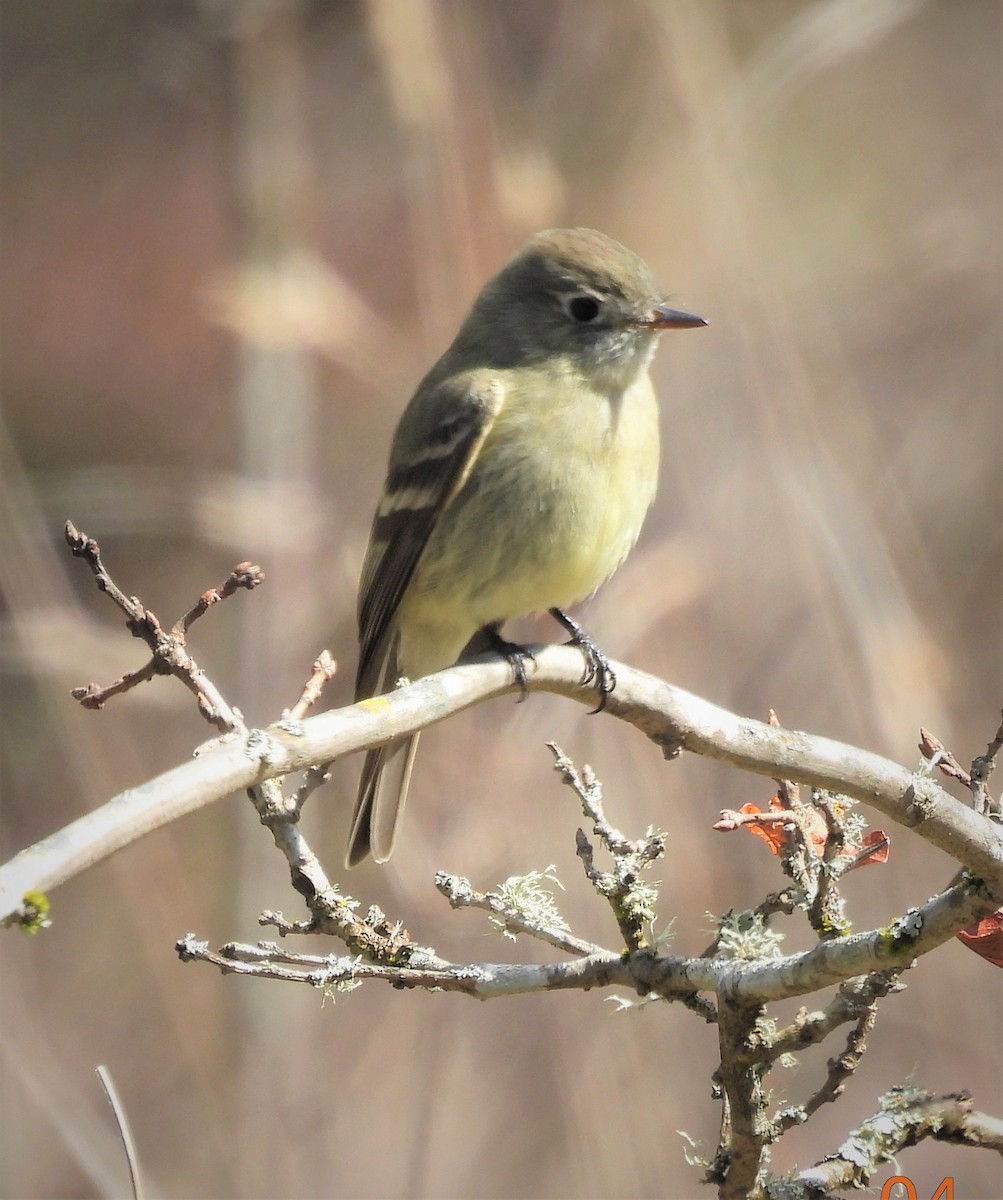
519	476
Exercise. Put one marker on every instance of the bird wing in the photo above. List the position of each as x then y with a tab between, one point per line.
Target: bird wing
426	471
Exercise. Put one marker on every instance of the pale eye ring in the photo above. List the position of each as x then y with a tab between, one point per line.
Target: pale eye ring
583	307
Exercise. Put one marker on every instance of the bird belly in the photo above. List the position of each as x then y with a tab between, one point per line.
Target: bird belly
543	519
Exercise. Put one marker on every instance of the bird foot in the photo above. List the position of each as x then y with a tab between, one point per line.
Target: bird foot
597	668
517	656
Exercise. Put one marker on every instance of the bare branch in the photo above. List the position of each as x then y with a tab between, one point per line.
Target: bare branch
170	654
982	767
244	575
460	894
907	1116
673	718
840	1069
938	755
483	981
854	998
830	962
631	900
324	670
93	696
745	1132
730	819
124	1131
976	780
747	984
87	548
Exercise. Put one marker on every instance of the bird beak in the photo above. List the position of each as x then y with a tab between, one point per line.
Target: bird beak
671	318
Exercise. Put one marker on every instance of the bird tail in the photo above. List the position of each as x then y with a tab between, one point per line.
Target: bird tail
386	774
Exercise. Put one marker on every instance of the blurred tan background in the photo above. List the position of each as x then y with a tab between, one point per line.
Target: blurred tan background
234	237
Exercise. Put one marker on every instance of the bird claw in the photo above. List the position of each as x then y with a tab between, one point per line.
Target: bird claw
517	657
597	669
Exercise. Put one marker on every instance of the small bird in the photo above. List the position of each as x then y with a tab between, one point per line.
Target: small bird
519	477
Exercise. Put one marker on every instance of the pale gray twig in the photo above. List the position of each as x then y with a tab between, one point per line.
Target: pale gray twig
124	1131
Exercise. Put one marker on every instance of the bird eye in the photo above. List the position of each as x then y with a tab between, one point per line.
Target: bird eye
584	308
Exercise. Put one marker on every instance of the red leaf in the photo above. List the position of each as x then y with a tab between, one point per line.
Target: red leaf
773	835
985	937
875	857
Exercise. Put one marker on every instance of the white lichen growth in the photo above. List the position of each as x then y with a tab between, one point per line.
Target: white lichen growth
746	935
526	896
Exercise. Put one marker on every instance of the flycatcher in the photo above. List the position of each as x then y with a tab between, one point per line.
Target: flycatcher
519	477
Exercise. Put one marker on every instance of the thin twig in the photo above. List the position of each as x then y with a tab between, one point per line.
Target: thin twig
840	1069
244	575
170	653
982	767
461	894
482	981
324	670
976	780
631	900
124	1132
853	998
938	755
